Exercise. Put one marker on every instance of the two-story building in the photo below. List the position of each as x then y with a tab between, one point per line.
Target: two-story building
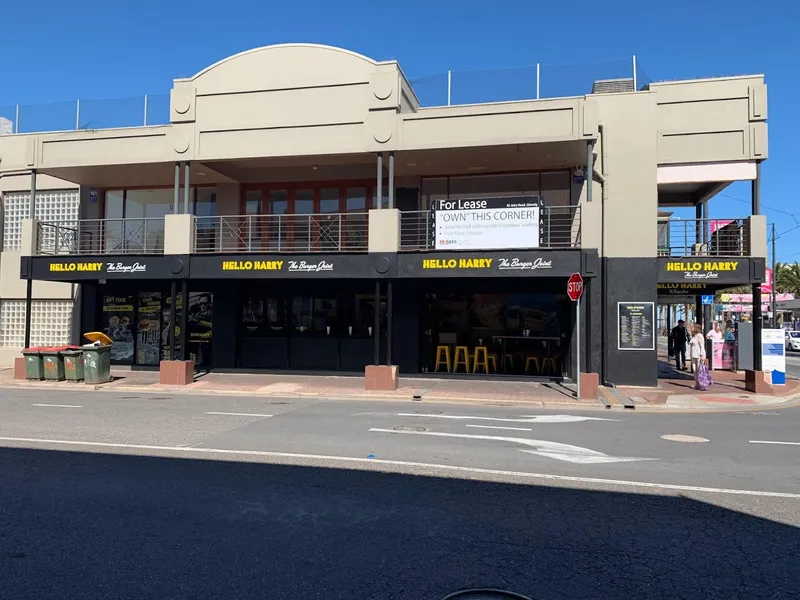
301	211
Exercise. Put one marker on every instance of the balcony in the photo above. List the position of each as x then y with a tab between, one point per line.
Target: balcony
560	229
679	238
101	236
324	232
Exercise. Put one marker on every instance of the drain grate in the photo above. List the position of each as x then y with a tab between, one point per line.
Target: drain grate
415	428
129	397
160	398
277	403
487	594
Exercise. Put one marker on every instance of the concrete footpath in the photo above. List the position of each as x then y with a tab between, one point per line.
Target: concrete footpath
674	392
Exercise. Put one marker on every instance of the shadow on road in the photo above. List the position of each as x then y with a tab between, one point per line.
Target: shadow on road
81	525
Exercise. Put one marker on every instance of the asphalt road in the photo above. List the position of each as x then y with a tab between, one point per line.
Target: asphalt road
793	365
111	496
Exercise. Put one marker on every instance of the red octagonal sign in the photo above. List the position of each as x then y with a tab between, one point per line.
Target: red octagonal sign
575	287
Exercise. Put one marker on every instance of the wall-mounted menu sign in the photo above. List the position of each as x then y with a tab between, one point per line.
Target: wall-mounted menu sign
635	321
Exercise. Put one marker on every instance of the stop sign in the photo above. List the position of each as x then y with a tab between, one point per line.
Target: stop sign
575	287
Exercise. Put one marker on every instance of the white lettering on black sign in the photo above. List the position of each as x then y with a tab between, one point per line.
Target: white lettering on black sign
119	267
305	267
515	264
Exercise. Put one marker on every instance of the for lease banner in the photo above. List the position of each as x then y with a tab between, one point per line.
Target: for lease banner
488	223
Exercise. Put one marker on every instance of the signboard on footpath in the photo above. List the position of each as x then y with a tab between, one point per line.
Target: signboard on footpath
773	354
487	223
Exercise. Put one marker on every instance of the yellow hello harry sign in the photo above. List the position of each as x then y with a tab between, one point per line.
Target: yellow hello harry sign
729	266
457	263
80	267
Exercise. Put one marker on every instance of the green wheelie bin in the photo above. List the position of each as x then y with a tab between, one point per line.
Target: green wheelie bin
53	363
96	364
73	363
34	370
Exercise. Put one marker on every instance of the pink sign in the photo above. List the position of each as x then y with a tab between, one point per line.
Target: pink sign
766	287
722	356
718	224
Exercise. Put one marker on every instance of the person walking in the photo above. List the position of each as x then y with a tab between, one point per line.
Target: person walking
697	349
680	336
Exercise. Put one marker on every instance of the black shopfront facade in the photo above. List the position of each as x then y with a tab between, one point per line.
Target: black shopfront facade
317	313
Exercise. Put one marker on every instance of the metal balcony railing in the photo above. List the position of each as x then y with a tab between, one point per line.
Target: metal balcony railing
323	232
560	228
101	236
680	238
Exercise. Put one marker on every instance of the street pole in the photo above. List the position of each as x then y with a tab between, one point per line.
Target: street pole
578	329
774	281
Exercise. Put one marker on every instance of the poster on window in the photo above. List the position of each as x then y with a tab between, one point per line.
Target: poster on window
148	329
165	325
201	307
118	314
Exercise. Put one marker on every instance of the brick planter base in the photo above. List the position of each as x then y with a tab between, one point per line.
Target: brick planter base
381	378
176	372
590	386
756	382
19	368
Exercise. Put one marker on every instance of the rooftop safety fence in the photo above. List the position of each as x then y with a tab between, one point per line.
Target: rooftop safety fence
529	82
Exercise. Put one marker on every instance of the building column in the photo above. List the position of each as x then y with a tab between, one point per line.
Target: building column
186	188
177	195
32	206
184	319
707	315
173	317
391	179
379	182
377	326
389	318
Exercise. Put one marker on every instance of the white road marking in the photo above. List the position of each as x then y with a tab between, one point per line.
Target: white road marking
228	414
58	405
770	442
433	467
556	450
523	419
498	427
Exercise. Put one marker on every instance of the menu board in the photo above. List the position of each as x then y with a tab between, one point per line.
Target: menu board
635	322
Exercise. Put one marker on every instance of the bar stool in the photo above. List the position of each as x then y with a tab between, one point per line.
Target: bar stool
534	360
493	362
552	362
461	351
442	358
480	358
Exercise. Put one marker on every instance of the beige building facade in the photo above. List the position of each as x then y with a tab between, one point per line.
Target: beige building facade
321	158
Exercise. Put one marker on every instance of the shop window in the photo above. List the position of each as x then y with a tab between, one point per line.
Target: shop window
356	223
148	329
264	316
117	320
205	208
487	186
303	226
277	227
329	224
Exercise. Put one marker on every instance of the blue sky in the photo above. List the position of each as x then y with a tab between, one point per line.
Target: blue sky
87	49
